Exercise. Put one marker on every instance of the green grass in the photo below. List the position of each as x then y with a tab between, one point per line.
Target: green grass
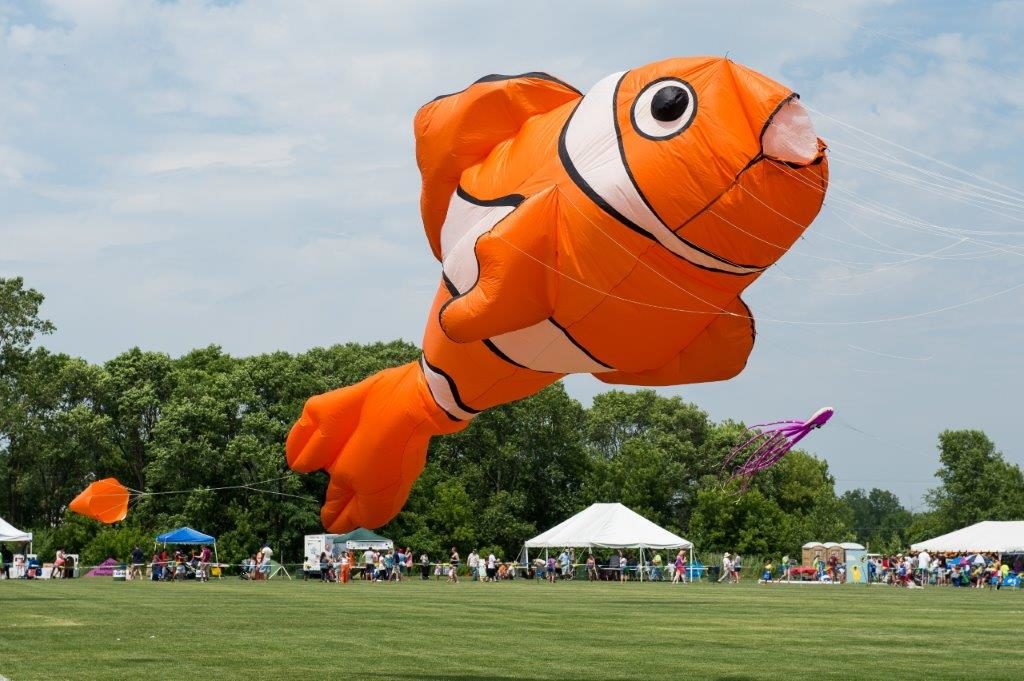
100	629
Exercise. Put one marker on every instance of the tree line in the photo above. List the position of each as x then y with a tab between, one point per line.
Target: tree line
208	420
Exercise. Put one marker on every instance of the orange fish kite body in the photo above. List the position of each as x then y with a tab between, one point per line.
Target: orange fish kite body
608	234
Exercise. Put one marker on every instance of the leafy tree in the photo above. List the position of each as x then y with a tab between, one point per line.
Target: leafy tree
20	324
879	520
977	483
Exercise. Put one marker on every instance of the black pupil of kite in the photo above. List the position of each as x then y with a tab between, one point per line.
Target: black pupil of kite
669	103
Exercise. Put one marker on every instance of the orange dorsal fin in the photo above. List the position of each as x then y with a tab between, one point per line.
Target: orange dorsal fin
457	131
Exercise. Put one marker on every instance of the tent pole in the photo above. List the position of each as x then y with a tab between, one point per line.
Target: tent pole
640	567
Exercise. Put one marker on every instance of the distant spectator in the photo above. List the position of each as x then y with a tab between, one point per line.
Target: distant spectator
726	567
138	561
492	567
565	565
453	571
204	563
679	572
368	562
265	558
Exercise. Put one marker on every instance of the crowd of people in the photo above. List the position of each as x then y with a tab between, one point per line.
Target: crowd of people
974	570
389	565
176	566
396	564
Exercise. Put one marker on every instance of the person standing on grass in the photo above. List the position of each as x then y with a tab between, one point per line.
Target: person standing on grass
138	561
492	567
564	564
726	567
453	572
679	576
204	563
473	561
368	564
591	568
345	567
737	565
424	566
623	567
550	569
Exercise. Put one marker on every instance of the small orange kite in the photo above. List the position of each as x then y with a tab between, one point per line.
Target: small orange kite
105	500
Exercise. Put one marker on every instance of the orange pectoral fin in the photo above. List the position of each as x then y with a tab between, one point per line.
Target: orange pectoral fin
717	354
457	131
517	276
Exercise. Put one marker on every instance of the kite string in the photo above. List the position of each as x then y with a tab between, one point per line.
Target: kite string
252	486
720	311
917	153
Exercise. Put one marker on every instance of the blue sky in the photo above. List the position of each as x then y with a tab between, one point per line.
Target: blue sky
182	173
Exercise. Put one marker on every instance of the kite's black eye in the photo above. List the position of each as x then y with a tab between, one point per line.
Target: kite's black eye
669	103
664	108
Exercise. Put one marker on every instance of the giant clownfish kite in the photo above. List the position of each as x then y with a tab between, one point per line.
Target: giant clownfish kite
609	233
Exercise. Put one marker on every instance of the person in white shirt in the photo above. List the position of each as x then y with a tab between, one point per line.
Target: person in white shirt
473	560
265	561
726	567
368	563
924	562
492	567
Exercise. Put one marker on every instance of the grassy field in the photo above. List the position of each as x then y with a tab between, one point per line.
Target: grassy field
99	629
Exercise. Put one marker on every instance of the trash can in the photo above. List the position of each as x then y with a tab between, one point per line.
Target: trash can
714	572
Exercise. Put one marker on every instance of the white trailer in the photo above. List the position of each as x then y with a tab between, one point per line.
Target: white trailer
315	545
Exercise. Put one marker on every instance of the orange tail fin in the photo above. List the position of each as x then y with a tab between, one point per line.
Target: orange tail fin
372	439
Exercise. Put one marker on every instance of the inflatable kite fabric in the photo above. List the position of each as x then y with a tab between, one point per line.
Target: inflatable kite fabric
105	500
772	441
609	233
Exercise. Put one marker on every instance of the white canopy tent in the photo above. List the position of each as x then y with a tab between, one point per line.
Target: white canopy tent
608	526
989	536
10	533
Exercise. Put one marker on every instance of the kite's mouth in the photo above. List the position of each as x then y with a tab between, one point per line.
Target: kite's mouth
789	136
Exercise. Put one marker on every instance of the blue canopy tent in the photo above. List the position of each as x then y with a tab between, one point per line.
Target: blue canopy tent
186	535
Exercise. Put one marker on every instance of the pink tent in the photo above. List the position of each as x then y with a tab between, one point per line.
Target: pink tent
104	569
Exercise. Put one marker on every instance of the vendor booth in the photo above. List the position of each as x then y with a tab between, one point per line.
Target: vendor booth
1000	537
9	534
361	539
188	536
608	526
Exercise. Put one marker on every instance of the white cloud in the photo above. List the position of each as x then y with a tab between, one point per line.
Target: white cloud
199	152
